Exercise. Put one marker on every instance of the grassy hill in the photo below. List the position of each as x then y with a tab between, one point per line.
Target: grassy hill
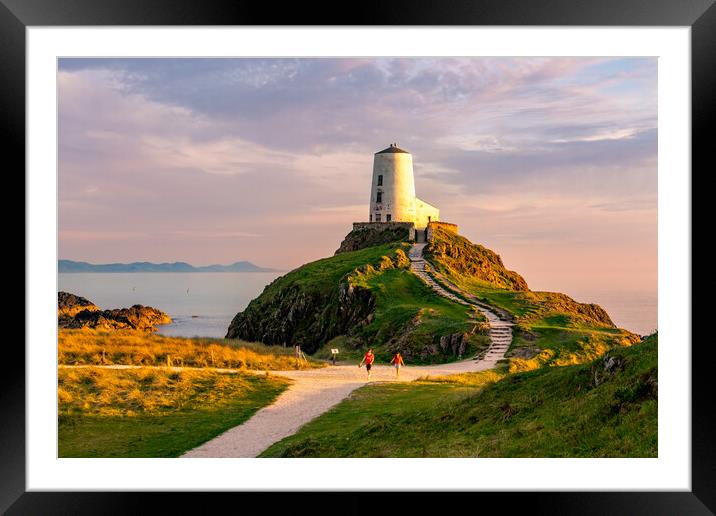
551	328
356	299
367	297
603	408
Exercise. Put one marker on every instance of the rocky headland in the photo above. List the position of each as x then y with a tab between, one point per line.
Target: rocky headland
366	295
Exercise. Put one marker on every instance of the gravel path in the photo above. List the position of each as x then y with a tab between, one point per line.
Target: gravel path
314	391
500	329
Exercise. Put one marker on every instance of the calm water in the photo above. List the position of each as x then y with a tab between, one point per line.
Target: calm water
632	310
199	303
203	303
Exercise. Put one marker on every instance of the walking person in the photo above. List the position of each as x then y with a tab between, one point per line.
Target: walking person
397	361
368	359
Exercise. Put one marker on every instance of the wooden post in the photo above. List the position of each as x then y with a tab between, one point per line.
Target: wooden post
169	361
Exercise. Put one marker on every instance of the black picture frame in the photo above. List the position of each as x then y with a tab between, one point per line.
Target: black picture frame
700	15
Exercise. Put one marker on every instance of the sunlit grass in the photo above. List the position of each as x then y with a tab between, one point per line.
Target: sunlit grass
79	347
153	412
584	410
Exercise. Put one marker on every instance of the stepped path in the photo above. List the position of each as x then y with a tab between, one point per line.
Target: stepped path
314	391
500	329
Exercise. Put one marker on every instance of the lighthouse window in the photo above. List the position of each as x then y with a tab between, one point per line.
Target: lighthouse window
380	197
380	180
377	217
387	217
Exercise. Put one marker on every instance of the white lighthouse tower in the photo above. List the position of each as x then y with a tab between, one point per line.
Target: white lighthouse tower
392	193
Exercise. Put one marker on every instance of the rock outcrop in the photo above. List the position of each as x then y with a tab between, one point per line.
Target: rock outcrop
296	316
368	235
456	255
70	304
77	312
290	312
455	344
563	304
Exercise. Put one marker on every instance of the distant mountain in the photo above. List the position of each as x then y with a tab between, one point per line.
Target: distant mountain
72	266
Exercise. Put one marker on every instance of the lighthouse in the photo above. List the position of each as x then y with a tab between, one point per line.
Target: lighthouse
392	193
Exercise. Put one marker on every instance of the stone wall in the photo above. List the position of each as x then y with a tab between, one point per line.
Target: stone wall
446	226
382	226
368	234
387	226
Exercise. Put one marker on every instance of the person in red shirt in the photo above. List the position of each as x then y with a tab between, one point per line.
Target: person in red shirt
368	359
397	361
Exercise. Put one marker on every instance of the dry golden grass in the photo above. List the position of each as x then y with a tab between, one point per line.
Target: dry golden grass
478	378
129	392
589	348
128	347
154	412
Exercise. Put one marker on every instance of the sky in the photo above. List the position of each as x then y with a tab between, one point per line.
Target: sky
550	162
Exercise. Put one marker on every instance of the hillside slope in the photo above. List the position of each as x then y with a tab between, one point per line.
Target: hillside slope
550	327
357	299
605	408
367	297
457	255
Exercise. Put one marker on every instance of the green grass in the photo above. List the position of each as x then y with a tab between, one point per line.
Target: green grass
406	308
368	298
368	417
552	326
402	299
397	311
153	413
563	346
515	302
574	411
323	275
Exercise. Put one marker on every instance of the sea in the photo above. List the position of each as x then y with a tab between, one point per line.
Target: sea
633	310
202	304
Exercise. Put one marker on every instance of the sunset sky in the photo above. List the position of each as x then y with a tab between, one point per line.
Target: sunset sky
550	162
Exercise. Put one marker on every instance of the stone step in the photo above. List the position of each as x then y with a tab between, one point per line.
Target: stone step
500	331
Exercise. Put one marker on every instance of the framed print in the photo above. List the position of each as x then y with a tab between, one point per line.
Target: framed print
426	250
